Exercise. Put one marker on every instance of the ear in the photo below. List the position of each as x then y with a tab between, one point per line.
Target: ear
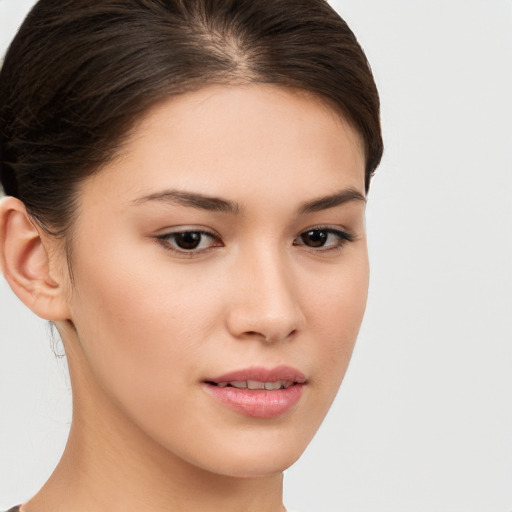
26	262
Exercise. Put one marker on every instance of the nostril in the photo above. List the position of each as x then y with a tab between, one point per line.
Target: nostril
270	338
259	334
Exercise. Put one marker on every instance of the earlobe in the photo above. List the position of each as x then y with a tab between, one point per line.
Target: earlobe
26	264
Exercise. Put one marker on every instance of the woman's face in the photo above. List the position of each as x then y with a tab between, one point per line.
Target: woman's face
223	252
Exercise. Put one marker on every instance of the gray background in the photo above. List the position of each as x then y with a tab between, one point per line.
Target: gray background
423	421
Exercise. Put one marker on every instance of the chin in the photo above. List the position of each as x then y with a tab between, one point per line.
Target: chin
255	455
257	465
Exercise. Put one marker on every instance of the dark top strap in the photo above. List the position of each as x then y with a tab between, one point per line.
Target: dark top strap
14	509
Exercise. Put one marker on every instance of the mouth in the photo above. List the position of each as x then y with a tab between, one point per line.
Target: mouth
258	392
254	385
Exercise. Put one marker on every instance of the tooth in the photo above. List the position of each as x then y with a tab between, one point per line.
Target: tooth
272	385
239	384
254	384
222	384
286	384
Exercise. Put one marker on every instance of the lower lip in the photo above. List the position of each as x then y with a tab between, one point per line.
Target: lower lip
258	403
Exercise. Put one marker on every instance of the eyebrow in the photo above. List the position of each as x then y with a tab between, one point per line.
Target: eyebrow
331	201
192	199
216	204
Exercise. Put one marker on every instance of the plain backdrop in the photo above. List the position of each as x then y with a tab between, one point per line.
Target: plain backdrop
423	421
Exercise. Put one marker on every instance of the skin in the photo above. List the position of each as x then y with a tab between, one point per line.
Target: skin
144	324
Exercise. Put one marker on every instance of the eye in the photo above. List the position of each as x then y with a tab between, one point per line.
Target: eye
189	241
323	238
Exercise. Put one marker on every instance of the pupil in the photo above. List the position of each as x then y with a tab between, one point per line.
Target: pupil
315	238
188	240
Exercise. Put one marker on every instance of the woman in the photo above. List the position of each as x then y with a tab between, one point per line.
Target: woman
186	184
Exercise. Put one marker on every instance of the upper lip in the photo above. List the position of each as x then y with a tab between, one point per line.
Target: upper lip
261	374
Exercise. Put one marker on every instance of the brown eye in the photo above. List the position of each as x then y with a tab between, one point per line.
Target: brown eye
315	238
324	238
188	240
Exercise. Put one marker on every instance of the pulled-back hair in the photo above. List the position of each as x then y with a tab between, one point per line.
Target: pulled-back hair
80	73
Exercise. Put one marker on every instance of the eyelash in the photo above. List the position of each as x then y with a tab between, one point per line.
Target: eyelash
342	238
169	239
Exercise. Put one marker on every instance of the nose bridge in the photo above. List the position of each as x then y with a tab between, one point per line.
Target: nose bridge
266	302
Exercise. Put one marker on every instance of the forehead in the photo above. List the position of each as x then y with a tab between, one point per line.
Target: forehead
237	141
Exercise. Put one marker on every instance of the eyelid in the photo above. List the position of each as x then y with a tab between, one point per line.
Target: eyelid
344	235
186	228
163	239
330	228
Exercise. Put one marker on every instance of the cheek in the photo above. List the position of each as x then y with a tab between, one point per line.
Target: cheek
142	330
138	322
339	308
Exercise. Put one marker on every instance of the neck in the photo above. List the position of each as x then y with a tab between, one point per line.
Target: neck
111	464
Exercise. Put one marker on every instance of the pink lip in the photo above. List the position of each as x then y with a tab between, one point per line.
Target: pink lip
258	403
262	375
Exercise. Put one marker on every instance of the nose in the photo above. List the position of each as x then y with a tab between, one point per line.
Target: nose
265	300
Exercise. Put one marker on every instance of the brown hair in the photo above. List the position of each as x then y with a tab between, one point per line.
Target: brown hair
80	73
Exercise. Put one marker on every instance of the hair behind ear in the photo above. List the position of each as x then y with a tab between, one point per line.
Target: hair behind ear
29	262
